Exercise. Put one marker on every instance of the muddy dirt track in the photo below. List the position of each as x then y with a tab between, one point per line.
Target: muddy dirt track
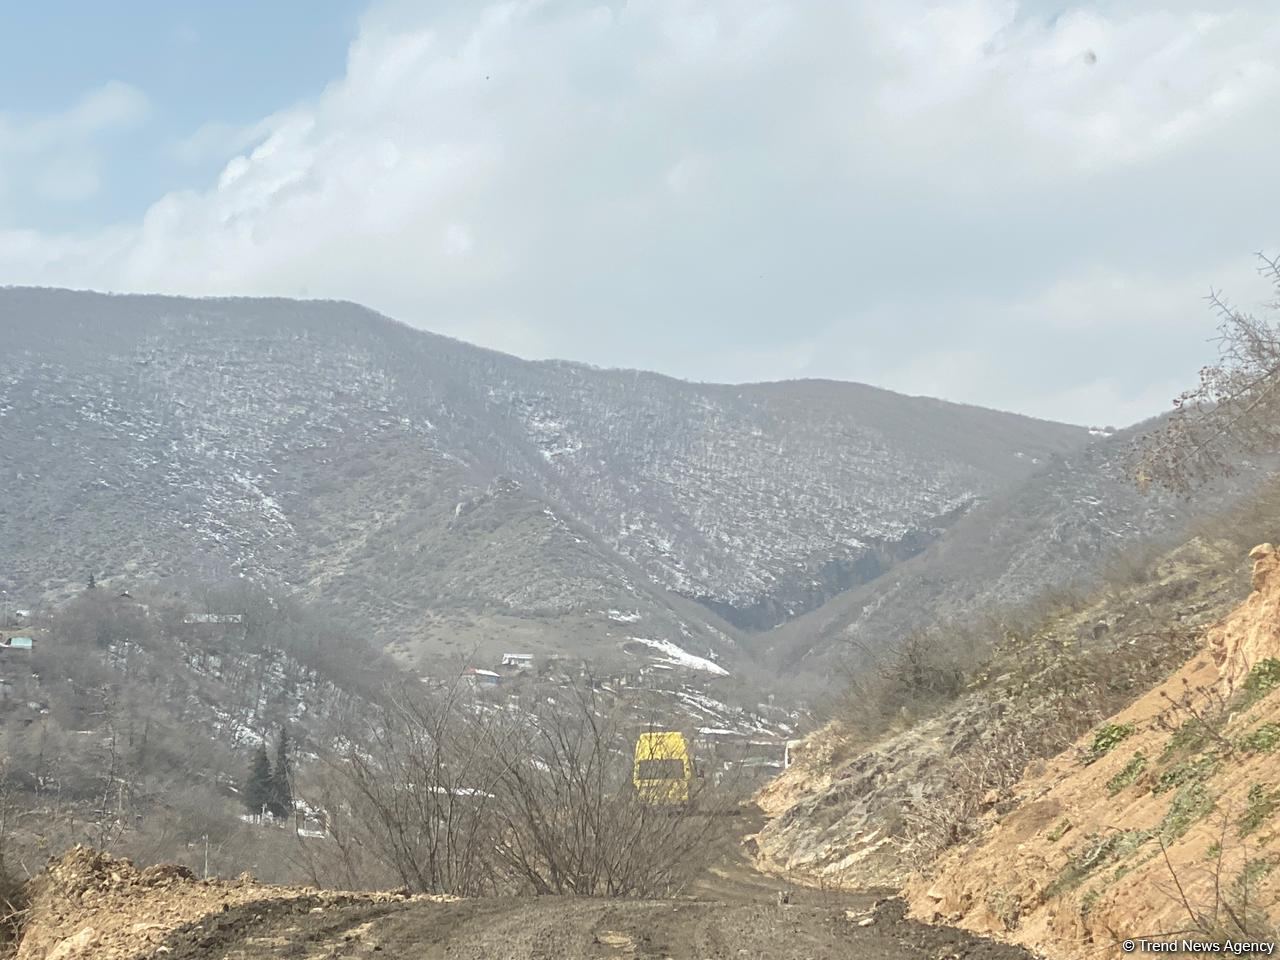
563	929
734	912
99	907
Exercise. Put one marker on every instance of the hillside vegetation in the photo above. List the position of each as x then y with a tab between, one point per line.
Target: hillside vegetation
1162	818
133	723
1069	528
922	750
448	494
1061	770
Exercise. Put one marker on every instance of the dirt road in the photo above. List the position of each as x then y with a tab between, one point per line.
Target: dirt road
99	907
567	929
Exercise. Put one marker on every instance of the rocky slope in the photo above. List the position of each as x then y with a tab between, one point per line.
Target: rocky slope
1160	819
1102	787
447	492
862	811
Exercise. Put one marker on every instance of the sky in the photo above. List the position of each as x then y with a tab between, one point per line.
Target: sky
1016	204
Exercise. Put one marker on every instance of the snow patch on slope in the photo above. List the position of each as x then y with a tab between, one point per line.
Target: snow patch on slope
678	656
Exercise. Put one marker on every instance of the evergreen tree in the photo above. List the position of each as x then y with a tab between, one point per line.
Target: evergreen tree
256	791
93	582
280	802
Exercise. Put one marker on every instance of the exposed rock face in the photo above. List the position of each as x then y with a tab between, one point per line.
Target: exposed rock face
1252	634
1171	827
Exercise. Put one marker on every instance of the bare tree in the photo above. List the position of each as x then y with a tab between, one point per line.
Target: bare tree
344	858
458	795
570	820
1235	409
109	809
419	783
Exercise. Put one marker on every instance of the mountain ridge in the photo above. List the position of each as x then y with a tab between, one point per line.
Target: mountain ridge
550	361
335	449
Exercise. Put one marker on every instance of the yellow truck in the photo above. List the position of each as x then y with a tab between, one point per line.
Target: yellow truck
664	768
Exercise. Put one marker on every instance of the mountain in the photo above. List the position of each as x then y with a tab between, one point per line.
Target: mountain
454	498
1073	524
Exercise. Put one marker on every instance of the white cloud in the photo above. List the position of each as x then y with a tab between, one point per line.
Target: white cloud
1100	327
111	106
749	188
1107	401
56	156
215	141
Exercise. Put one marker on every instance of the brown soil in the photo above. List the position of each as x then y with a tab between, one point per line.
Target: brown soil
1173	827
846	811
89	905
555	928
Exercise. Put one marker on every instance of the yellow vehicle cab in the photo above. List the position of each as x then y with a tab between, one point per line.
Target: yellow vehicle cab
663	768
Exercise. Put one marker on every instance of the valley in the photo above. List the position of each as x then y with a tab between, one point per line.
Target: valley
436	595
639	481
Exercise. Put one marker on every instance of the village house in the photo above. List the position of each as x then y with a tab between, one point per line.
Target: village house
482	678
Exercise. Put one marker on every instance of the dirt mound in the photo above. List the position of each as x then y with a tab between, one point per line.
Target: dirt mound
90	904
1162	818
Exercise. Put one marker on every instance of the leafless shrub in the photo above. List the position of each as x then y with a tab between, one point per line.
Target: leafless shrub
1132	567
915	680
569	819
458	795
1230	908
1254	520
1232	413
1196	717
13	898
976	780
417	783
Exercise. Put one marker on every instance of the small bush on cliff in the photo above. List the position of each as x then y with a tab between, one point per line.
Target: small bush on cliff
1190	804
1132	770
1264	739
1097	851
1059	831
1107	739
1261	805
1195	770
1089	900
1262	679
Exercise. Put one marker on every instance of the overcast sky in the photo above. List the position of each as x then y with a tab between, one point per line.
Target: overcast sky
1017	204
